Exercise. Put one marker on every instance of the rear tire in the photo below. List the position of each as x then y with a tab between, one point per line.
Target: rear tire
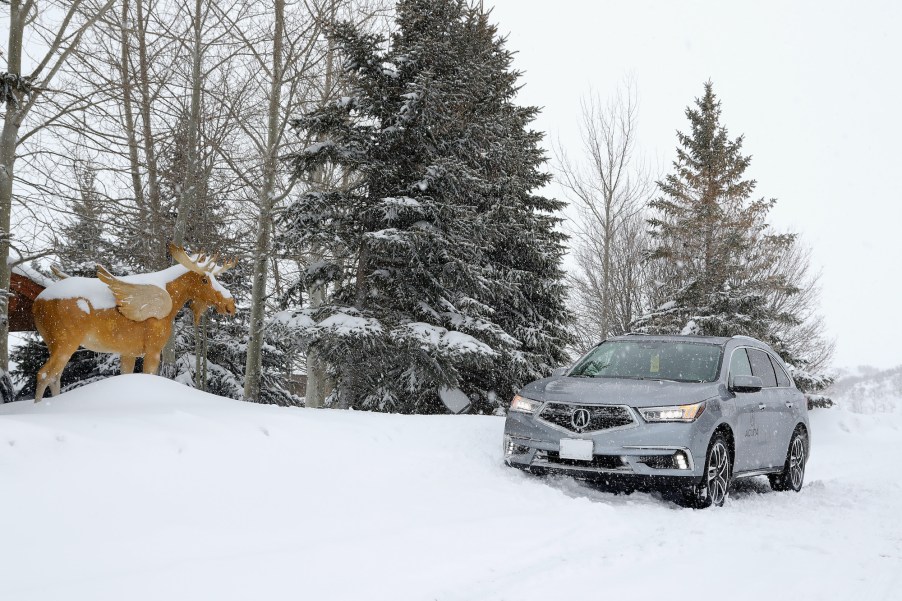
793	475
715	487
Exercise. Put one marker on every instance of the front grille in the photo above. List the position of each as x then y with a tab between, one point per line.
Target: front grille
600	417
598	462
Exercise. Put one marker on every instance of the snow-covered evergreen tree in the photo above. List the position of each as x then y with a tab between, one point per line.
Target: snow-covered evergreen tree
84	233
717	255
445	264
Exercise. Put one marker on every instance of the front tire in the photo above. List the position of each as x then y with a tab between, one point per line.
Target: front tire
715	487
793	474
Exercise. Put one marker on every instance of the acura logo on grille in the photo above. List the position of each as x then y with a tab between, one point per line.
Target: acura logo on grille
580	418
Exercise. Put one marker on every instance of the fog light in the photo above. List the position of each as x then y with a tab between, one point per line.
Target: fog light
508	446
679	458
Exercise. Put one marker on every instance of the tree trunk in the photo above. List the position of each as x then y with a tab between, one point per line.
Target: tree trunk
131	135
157	245
8	142
606	311
254	367
315	395
188	196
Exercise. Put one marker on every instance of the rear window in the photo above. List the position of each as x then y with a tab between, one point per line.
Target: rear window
782	378
762	368
651	360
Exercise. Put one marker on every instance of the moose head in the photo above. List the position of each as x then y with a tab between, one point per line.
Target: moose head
130	315
206	290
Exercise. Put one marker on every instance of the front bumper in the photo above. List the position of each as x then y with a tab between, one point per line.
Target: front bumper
641	449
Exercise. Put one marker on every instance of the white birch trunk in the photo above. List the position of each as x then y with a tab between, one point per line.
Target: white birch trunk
187	196
317	385
254	366
8	139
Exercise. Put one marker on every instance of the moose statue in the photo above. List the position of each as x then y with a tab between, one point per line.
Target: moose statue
130	315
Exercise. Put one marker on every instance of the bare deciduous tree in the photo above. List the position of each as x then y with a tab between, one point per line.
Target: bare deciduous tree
300	75
808	338
57	29
177	107
609	186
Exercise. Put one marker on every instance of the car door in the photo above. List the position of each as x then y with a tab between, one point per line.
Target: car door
747	438
770	401
786	410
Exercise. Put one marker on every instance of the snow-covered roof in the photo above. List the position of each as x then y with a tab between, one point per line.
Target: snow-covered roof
28	272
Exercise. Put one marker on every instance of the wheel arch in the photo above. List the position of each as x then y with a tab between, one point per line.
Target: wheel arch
807	431
725	429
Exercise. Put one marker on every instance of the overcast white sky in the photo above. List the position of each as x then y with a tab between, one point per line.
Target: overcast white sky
816	88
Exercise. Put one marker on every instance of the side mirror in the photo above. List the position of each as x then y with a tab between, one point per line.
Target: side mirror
560	371
744	383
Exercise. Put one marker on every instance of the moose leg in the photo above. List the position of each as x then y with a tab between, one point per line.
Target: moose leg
151	362
52	371
42	383
127	364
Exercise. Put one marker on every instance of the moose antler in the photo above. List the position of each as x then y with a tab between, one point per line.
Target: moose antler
200	263
217	269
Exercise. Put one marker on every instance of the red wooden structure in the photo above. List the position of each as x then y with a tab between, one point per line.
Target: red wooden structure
24	290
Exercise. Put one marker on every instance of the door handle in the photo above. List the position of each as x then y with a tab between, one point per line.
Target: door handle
761	406
789	403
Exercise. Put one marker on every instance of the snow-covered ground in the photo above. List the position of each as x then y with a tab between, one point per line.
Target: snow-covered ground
138	488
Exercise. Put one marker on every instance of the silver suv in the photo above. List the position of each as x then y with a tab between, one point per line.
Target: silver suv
684	413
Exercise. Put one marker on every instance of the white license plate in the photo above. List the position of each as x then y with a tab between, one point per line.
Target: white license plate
575	448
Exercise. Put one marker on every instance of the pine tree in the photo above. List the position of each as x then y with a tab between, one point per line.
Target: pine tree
445	265
83	235
716	252
712	237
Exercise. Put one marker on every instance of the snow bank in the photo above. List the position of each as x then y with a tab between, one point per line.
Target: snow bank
138	488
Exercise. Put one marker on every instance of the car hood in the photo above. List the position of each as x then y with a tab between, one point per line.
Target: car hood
620	391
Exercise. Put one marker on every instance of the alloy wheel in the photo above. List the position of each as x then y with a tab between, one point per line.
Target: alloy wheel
797	462
718	473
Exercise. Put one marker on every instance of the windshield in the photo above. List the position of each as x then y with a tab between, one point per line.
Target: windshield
651	360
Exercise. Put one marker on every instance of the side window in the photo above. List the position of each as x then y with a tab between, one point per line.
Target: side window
739	364
782	378
762	368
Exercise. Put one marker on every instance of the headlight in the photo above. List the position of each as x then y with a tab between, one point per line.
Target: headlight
521	403
678	413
